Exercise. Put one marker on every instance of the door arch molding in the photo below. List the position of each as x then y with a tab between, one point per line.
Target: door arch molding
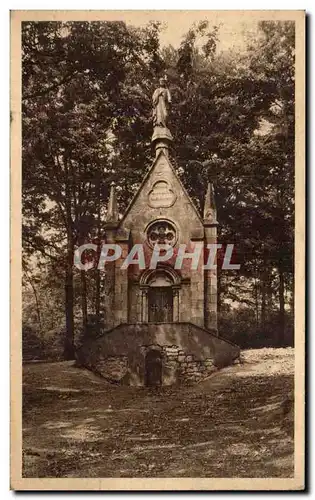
149	275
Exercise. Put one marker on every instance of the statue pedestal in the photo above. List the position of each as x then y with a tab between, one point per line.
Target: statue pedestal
161	138
160	133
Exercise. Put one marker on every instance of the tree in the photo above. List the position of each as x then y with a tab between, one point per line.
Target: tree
234	126
87	91
78	91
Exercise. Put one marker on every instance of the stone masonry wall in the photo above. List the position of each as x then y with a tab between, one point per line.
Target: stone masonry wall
187	367
188	352
177	366
113	368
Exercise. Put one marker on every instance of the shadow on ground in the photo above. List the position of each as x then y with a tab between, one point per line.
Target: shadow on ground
239	423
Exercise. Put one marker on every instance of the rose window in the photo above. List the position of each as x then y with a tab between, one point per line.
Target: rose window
161	233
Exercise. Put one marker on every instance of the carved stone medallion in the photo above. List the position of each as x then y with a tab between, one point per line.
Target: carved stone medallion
161	195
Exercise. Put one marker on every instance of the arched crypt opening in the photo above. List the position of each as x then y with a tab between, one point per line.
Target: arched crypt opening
153	368
168	310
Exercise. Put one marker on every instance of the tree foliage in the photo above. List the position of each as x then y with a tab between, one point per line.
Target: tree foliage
87	122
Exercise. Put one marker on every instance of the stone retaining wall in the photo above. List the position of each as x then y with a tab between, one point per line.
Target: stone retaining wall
113	368
188	368
188	353
177	366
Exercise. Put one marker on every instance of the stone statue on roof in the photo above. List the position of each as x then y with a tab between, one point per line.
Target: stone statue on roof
161	101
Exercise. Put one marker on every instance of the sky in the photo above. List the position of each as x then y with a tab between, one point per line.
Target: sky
233	25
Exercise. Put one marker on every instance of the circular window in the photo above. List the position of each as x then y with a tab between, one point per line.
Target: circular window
161	232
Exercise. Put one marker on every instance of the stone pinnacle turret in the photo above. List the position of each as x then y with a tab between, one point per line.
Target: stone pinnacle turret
210	210
112	211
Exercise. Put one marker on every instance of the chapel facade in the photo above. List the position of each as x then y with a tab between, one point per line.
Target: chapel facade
160	324
161	213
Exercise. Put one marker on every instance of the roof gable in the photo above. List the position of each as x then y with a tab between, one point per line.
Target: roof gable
161	168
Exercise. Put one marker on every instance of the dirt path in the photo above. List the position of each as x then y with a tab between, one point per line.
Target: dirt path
239	423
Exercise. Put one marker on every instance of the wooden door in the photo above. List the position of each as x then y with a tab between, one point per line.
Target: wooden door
160	304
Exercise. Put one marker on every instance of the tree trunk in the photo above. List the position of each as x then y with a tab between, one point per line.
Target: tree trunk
256	297
98	296
281	332
263	316
84	306
69	293
69	300
37	304
218	291
84	301
264	286
97	271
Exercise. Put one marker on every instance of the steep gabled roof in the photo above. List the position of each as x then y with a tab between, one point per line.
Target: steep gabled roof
145	178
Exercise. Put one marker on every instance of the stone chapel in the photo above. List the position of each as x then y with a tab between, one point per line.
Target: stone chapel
160	324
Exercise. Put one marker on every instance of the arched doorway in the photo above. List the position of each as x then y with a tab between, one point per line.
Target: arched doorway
153	368
160	297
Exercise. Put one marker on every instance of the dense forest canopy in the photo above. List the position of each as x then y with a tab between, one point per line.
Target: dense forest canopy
87	90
